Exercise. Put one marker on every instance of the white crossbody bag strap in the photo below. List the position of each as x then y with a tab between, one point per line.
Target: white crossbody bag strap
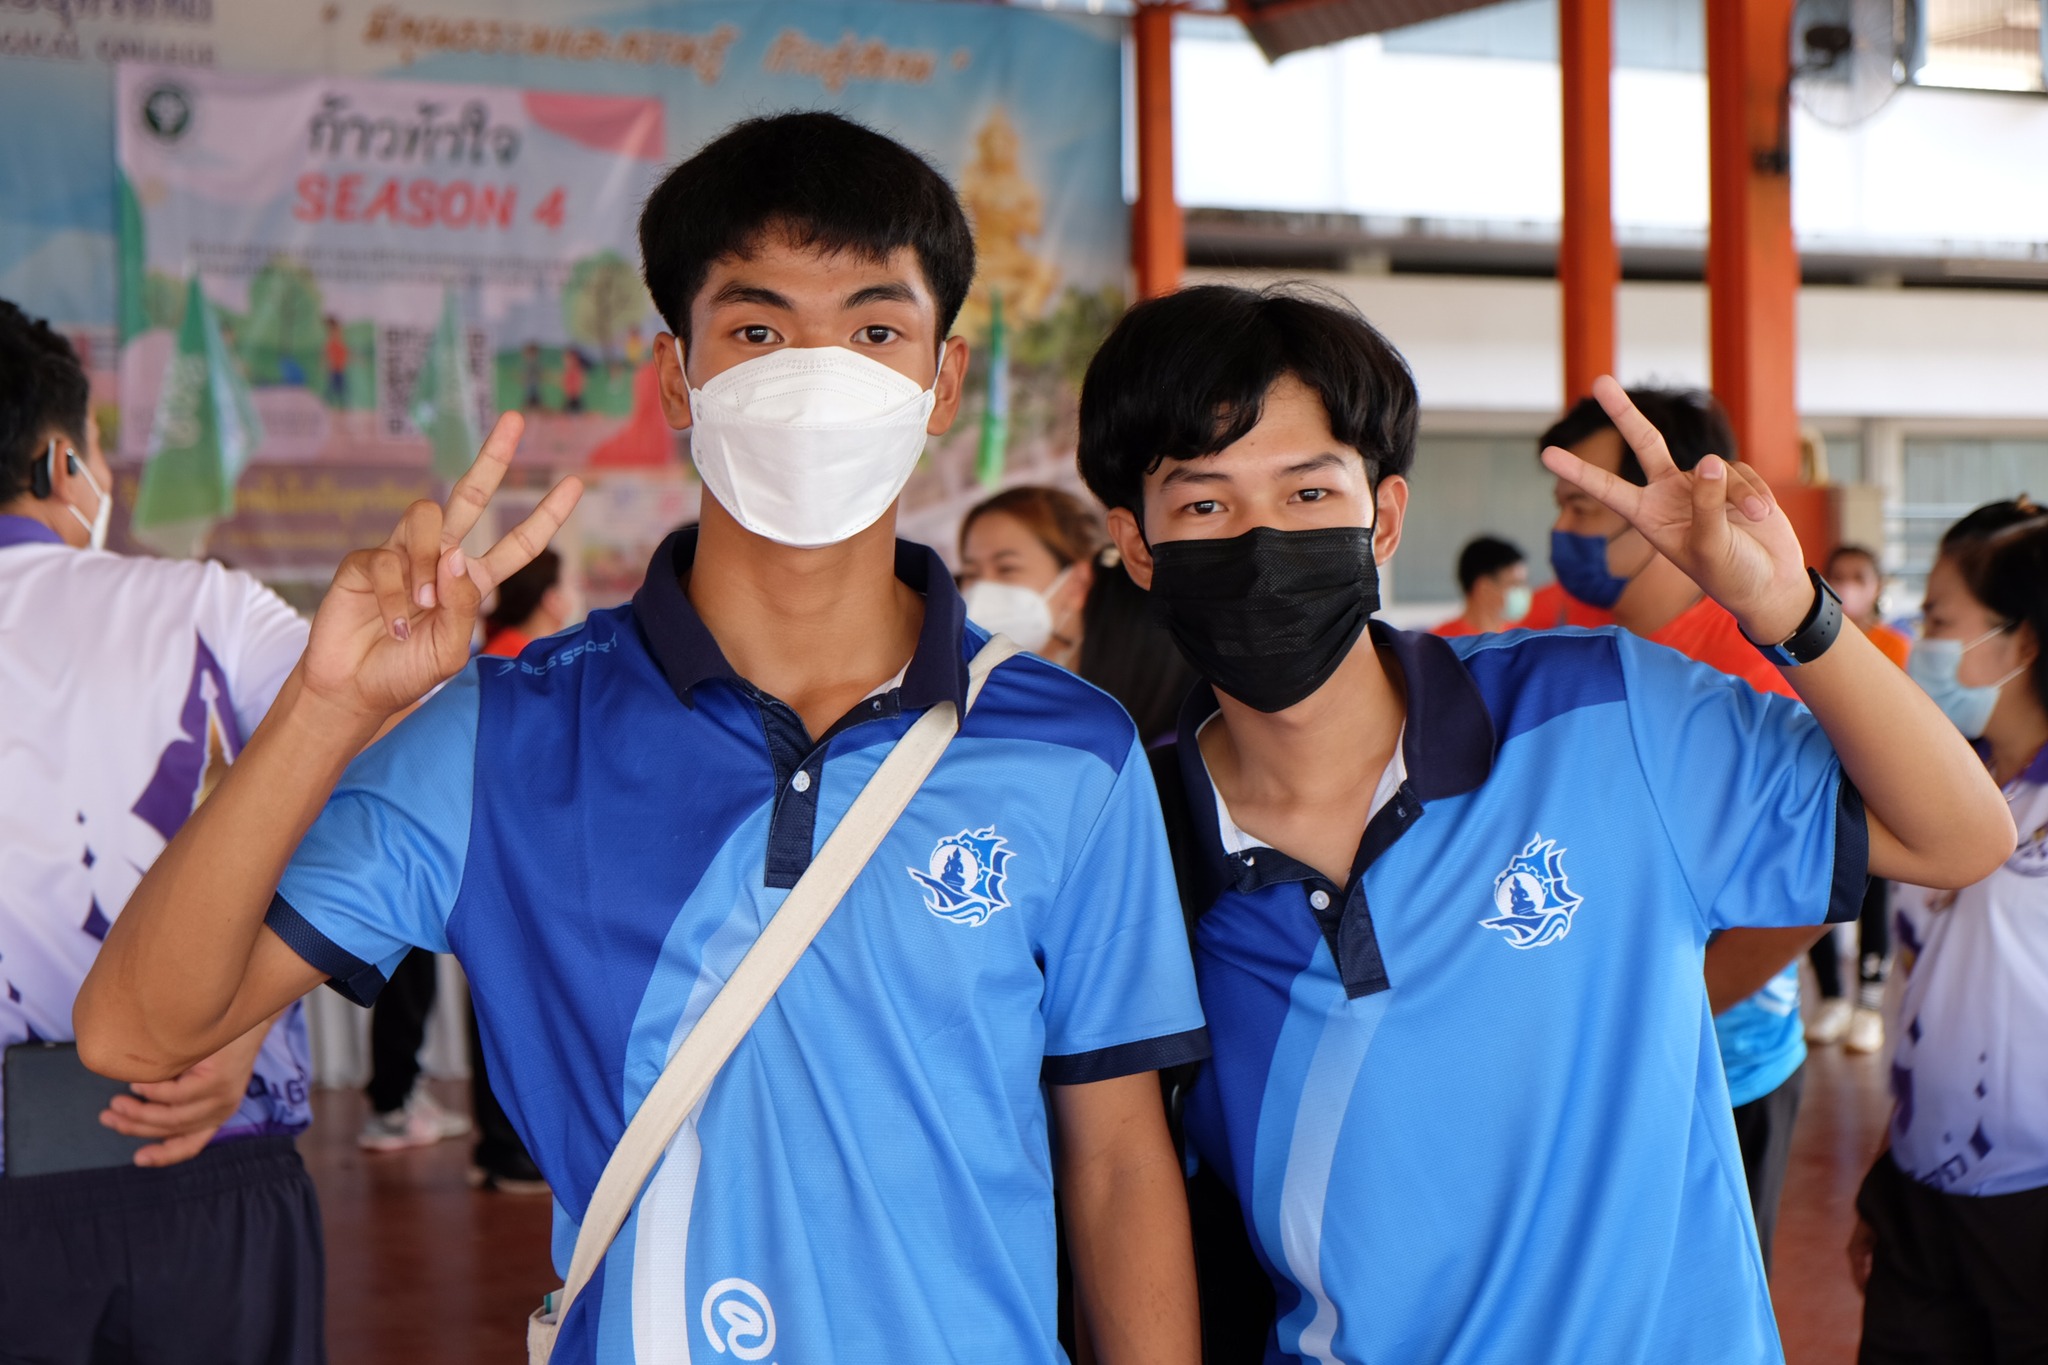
746	993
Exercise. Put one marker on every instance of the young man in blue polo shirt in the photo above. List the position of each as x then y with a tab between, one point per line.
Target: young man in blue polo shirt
1453	894
600	828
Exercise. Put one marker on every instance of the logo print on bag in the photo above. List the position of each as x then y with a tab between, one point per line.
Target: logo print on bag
1533	897
737	1318
965	880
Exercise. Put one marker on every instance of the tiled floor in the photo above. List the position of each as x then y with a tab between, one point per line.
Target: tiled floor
422	1268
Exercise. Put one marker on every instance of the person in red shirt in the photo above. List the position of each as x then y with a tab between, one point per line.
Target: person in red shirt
1551	607
1494	575
532	603
1602	560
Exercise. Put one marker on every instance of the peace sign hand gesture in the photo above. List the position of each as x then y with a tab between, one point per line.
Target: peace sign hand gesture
1719	522
398	619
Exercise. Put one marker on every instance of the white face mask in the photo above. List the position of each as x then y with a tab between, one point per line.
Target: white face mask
808	446
102	516
1014	610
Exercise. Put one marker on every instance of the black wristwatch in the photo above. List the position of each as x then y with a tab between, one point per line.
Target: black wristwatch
1822	624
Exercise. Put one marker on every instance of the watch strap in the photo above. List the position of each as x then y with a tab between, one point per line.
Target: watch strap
1819	630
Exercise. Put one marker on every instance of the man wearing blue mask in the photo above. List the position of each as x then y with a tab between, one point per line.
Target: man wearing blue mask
1451	896
606	830
1752	974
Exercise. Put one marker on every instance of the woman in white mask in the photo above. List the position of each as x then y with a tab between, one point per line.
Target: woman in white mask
1952	1238
1027	561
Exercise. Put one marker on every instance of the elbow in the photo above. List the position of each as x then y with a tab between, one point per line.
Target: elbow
1975	849
108	1046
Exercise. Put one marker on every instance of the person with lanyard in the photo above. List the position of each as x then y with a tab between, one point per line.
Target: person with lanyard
1752	973
1951	1244
602	830
1857	1024
1494	576
1452	896
171	1220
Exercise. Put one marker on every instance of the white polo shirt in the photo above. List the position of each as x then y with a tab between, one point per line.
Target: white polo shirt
1970	1075
129	685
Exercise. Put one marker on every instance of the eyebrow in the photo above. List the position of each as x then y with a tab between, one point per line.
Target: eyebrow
896	291
737	292
1187	472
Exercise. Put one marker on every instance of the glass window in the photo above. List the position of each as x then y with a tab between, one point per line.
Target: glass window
1466	486
1979	44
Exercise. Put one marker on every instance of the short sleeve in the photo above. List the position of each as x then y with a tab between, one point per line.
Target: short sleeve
1767	829
1119	982
379	871
254	635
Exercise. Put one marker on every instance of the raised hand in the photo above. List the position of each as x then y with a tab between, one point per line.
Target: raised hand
1719	522
398	619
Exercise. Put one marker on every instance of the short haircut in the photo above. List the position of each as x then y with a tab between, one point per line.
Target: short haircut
1068	527
1692	422
1981	523
520	594
1485	556
2007	570
1854	551
823	181
43	388
1187	374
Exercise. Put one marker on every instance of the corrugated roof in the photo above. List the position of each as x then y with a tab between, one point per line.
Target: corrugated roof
1283	26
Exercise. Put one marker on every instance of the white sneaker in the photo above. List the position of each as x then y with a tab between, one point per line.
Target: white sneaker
1829	1022
1866	1032
421	1123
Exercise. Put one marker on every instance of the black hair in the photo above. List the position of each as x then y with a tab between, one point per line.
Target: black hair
1129	655
1851	550
827	182
1485	556
1692	422
520	594
1982	523
43	388
1187	374
2007	570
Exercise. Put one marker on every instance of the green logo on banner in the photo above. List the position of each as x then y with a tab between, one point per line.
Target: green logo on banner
167	111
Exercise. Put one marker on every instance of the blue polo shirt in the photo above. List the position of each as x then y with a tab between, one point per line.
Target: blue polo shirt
1472	1107
600	828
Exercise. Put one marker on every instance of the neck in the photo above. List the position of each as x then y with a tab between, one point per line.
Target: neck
1318	747
50	513
805	625
2016	734
1656	597
1483	618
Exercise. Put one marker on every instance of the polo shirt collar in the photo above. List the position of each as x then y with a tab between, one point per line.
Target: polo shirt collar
1447	745
688	655
26	531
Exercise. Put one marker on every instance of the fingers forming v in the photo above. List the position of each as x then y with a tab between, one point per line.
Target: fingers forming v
472	492
517	548
1613	491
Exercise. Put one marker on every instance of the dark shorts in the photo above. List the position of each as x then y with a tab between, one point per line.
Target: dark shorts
1955	1280
216	1261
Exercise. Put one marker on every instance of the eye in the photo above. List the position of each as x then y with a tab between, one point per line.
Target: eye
1206	507
757	335
878	336
1313	494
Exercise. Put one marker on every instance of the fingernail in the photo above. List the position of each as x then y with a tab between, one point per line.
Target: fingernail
457	565
1753	507
425	596
401	628
1713	468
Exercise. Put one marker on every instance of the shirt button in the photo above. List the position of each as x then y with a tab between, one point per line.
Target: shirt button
802	781
1319	899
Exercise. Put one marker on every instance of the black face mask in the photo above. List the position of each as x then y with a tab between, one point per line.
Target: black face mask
1269	615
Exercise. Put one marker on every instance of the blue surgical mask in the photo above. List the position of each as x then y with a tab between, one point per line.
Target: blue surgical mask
1580	563
1934	664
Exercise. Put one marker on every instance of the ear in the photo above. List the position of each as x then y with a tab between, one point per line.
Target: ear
1390	509
675	385
949	386
1130	543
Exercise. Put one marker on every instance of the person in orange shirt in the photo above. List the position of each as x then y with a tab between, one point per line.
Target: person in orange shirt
532	603
1494	576
1551	607
1859	581
1602	560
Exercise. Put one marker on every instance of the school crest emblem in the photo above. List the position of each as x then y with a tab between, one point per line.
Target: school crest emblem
964	881
1532	898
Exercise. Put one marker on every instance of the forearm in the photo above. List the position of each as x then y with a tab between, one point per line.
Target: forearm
1127	1233
1741	961
170	983
1937	817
